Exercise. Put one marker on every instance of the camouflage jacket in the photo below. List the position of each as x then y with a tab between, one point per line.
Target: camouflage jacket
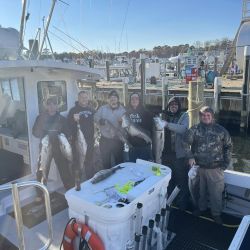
211	145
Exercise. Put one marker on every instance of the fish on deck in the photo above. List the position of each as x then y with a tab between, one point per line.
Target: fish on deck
104	174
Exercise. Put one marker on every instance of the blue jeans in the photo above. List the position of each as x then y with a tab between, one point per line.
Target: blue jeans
144	153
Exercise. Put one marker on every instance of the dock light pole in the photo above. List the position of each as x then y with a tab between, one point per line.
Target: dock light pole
245	89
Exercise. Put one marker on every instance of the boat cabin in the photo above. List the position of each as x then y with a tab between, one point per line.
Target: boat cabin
24	88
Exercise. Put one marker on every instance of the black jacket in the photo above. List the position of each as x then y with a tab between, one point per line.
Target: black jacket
86	122
143	119
47	124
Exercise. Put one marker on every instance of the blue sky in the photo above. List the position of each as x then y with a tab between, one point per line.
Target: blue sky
104	25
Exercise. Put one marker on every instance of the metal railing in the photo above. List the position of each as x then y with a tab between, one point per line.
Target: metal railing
18	212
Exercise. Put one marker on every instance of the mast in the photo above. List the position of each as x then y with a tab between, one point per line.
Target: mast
46	28
22	27
246	10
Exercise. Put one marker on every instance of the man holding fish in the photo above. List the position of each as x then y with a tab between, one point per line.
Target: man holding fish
209	146
51	128
81	125
173	155
109	118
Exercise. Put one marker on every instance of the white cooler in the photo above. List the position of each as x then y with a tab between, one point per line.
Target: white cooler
114	221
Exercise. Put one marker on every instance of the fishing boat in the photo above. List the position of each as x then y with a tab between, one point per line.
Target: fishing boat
25	85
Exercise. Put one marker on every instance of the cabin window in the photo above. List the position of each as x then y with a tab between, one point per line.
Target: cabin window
15	90
54	89
10	87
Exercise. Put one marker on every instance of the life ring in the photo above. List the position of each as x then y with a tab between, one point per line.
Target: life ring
75	229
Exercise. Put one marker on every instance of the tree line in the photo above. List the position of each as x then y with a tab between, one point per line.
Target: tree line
164	51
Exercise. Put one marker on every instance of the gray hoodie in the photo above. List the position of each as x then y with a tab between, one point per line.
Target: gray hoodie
111	117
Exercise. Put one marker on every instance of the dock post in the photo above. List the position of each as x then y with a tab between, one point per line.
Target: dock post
134	73
179	68
217	95
245	89
143	80
164	92
195	101
107	71
125	91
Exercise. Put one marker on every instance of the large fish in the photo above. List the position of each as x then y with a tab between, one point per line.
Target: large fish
120	133
45	158
134	130
103	174
158	139
65	147
193	184
81	149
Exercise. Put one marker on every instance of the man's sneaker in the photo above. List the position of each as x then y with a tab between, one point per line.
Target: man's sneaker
217	219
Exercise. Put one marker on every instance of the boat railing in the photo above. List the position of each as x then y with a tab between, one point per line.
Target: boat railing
18	212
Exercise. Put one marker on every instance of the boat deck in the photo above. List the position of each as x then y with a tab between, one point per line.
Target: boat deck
201	233
35	224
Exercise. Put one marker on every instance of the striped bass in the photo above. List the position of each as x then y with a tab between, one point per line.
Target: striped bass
65	147
103	174
81	150
134	130
45	158
158	139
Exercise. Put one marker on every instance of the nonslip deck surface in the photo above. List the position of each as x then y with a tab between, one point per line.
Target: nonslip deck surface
34	213
194	233
6	245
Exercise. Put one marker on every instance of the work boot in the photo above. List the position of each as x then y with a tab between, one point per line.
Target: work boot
217	219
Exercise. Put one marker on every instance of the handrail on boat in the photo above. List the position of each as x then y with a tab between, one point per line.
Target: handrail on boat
18	212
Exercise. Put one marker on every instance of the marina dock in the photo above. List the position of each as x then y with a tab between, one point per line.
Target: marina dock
230	96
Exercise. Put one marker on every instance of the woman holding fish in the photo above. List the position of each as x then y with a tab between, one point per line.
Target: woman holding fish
142	121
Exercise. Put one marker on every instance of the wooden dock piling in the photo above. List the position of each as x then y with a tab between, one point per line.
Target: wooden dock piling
245	89
125	92
107	71
217	94
143	80
195	101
